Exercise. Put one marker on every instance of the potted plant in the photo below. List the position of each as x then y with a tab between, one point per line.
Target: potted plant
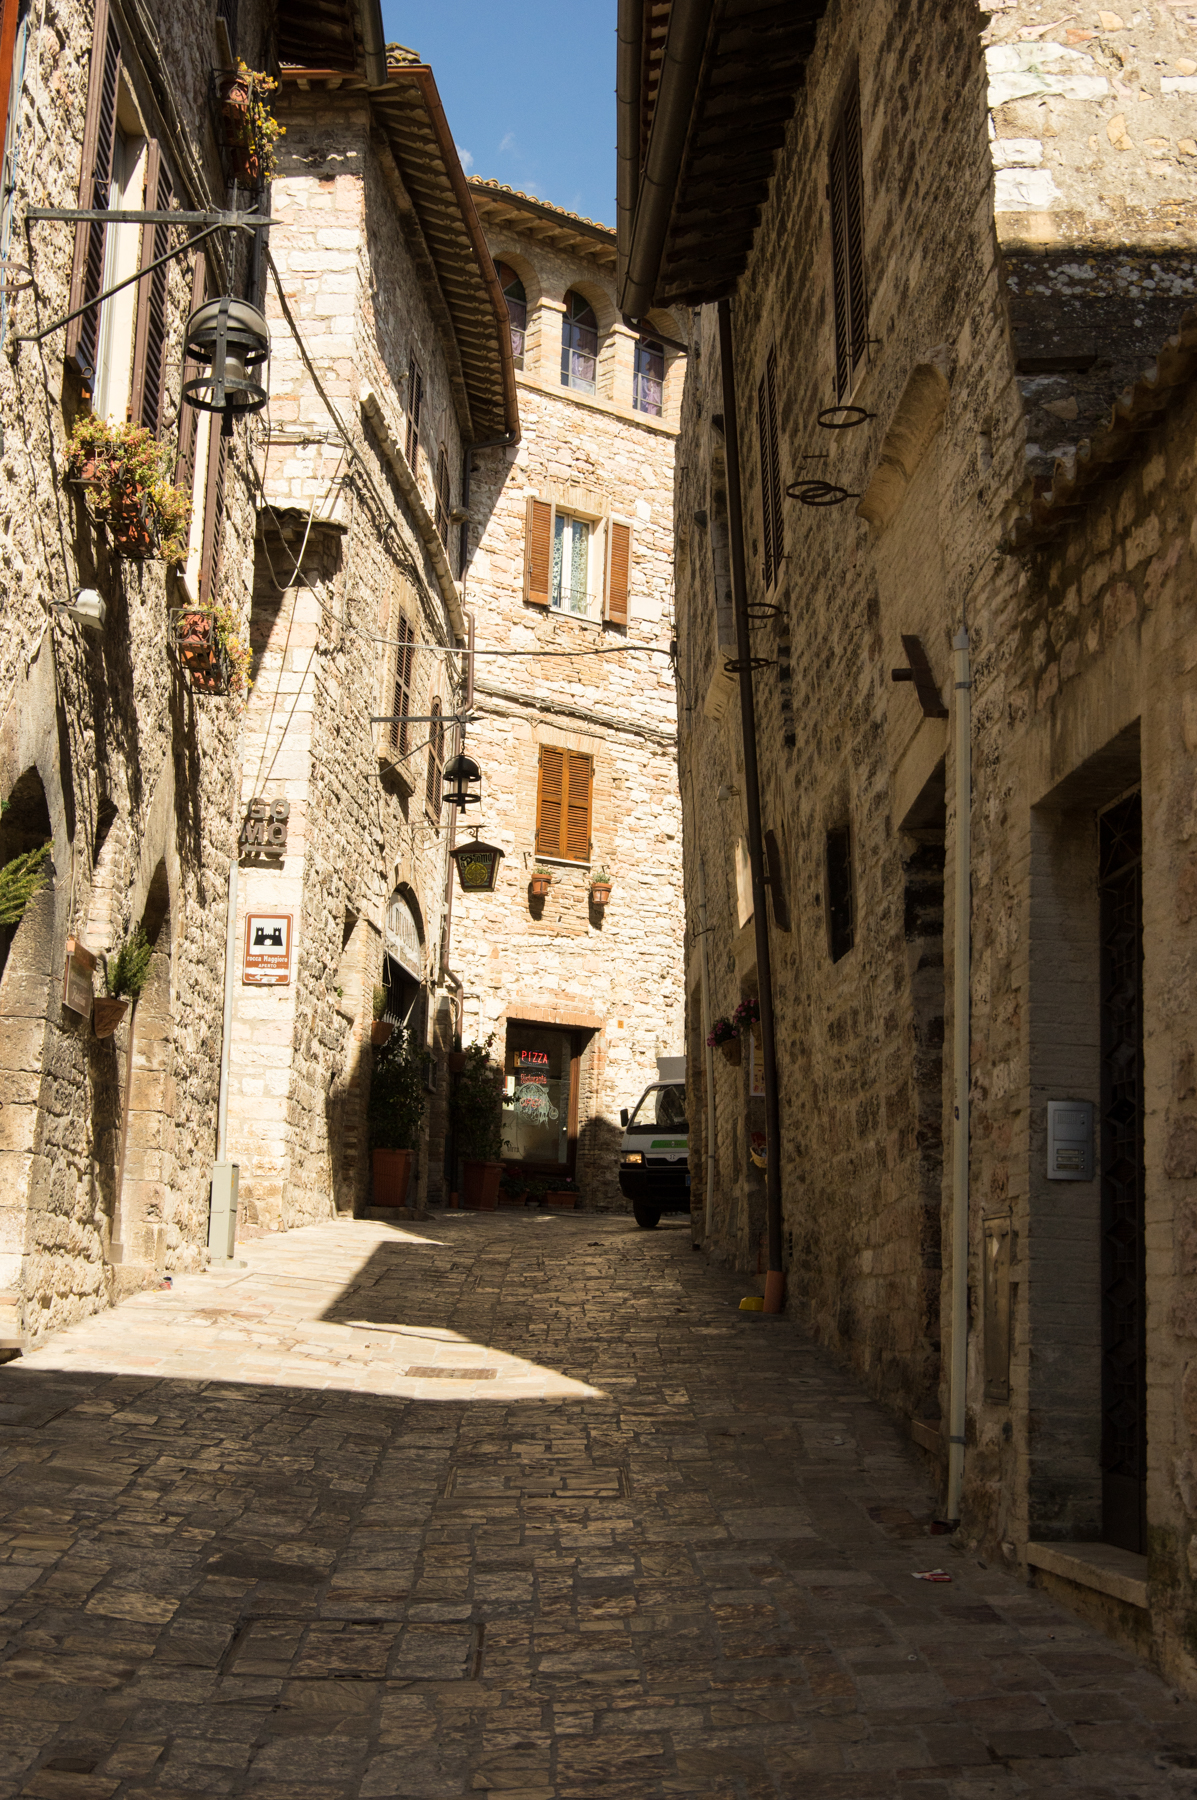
563	1190
541	882
250	128
125	473
381	1028
213	649
125	974
600	887
724	1036
747	1017
394	1114
477	1107
513	1190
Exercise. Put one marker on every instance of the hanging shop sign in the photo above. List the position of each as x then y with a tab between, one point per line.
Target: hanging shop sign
265	829
477	866
267	950
76	981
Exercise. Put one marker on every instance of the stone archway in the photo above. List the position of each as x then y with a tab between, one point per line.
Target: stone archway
141	1228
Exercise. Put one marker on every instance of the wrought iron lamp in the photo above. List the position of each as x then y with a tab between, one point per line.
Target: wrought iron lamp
234	339
463	782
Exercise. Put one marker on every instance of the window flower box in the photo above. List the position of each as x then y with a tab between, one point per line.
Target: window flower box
106	1014
124	473
212	649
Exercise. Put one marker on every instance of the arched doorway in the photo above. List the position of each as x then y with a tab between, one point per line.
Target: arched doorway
140	1238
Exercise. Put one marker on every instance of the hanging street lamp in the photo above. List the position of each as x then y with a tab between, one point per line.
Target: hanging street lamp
463	782
234	339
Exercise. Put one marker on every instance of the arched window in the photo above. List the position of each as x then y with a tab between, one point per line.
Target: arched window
649	378
579	344
436	763
442	495
517	309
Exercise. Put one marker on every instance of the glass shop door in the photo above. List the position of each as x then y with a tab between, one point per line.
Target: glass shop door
540	1098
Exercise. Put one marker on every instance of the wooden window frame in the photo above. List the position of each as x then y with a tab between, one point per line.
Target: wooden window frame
150	338
845	193
770	463
415	407
560	840
10	14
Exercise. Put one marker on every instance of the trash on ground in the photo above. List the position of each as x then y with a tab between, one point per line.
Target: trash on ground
931	1575
752	1303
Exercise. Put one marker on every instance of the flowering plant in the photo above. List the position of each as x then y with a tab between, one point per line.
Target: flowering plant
722	1032
746	1015
126	471
251	128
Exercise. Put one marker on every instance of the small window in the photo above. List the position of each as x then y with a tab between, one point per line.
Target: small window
579	344
649	379
415	402
841	911
436	762
442	496
405	659
571	590
517	309
846	193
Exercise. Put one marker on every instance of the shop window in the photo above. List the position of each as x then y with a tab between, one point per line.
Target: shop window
770	462
579	344
517	309
563	800
846	194
648	379
540	1097
841	910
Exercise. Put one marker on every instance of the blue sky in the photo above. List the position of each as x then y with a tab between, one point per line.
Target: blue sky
529	90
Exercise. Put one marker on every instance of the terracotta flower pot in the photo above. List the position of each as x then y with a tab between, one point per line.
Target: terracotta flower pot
600	893
132	533
480	1185
733	1050
540	885
234	109
513	1197
106	1015
392	1174
556	1197
380	1031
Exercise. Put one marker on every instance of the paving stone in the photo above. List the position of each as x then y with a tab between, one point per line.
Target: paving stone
664	1549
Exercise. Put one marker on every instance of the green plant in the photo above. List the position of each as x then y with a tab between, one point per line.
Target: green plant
597	875
126	471
477	1105
397	1093
249	122
125	974
379	1001
21	881
238	656
543	869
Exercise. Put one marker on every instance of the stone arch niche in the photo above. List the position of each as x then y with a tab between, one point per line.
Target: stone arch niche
26	978
141	1226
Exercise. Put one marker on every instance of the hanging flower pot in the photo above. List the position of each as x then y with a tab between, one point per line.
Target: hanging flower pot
541	882
212	649
106	1014
733	1050
600	893
235	107
380	1031
133	535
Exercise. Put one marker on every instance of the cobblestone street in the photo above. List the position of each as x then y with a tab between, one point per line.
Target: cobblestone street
513	1505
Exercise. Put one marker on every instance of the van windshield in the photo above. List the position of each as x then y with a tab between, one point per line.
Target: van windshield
662	1106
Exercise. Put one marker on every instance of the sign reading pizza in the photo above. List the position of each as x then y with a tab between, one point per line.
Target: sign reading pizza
267	950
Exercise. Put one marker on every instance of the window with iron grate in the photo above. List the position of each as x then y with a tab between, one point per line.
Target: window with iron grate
845	191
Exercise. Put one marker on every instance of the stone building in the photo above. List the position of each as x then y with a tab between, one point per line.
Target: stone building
391	356
966	457
574	728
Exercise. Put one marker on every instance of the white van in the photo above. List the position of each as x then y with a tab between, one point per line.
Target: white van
654	1158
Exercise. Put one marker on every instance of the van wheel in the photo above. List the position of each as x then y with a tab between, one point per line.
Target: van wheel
646	1216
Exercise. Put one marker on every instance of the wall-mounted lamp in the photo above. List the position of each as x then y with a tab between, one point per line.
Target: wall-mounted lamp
726	792
463	782
234	338
86	609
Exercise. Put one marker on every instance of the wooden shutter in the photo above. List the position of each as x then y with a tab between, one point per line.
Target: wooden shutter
846	194
442	496
415	402
213	539
771	514
9	10
619	571
405	657
550	801
95	176
149	344
577	807
188	416
436	762
538	551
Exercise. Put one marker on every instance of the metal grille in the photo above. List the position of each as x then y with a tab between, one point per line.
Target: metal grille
1123	1299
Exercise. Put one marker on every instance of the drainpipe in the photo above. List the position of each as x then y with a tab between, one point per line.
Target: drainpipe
708	1052
222	1215
958	1371
775	1279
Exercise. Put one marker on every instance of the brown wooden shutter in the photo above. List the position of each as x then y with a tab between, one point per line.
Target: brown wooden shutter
218	457
442	496
149	344
436	762
619	571
846	195
405	657
95	176
550	801
415	402
188	416
9	9
577	807
538	551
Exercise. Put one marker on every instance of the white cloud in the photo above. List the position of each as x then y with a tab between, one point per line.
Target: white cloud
507	142
464	158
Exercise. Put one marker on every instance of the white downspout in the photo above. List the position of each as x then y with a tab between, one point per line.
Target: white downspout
230	975
958	1370
708	1052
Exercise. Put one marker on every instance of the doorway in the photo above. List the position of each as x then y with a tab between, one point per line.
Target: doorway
1123	1261
540	1098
